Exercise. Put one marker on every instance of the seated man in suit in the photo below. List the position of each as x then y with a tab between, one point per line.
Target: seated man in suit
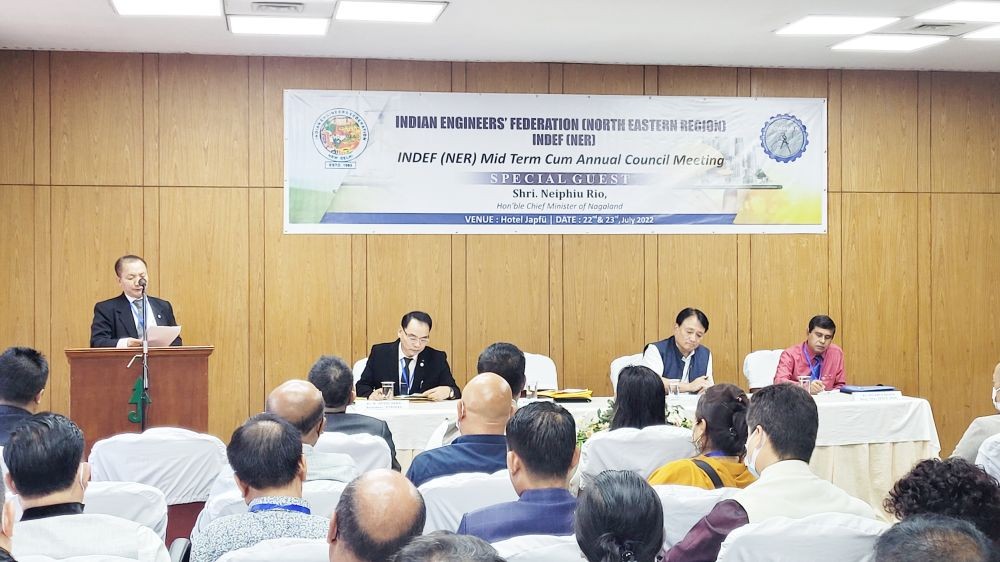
542	453
377	515
333	377
409	363
118	321
45	459
482	419
23	374
981	428
818	358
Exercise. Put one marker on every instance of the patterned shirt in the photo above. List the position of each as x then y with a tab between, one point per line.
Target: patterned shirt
268	518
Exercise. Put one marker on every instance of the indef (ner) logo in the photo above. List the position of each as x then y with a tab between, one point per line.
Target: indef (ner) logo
340	135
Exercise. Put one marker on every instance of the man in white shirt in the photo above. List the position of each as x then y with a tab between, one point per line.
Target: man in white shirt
119	322
981	428
44	457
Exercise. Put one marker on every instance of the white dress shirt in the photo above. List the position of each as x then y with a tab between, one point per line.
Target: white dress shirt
150	319
399	369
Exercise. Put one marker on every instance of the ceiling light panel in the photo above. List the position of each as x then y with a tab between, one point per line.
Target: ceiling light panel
393	12
963	11
835	25
991	32
200	8
889	43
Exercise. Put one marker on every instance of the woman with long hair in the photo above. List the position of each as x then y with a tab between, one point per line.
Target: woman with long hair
639	399
619	518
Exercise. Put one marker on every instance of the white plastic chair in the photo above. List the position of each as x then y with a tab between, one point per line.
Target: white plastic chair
540	369
639	450
359	367
988	456
322	495
448	498
300	550
824	537
370	452
539	548
437	436
141	503
620	363
760	366
683	506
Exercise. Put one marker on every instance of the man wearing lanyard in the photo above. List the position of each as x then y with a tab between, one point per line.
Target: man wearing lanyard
817	357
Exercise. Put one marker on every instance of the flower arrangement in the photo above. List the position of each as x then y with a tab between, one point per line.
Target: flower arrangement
675	415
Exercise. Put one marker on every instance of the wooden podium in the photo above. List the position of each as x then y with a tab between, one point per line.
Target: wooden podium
101	387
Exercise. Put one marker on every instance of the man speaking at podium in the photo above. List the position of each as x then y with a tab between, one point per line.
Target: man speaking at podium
117	322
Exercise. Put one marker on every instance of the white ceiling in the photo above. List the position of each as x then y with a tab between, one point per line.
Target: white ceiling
668	32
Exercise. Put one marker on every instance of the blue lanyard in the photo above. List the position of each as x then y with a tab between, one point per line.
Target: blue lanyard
275	507
814	369
715	454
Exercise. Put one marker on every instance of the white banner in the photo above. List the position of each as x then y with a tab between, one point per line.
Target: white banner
432	163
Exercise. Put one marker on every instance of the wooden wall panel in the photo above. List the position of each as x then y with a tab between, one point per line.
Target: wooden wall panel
512	78
965	132
964	341
17	277
603	79
696	81
880	288
205	274
880	130
204	106
417	76
97	118
16	113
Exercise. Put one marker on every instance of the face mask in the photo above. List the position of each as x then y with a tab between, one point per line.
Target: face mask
751	460
996	398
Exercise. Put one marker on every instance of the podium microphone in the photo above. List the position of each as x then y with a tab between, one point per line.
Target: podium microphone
142	282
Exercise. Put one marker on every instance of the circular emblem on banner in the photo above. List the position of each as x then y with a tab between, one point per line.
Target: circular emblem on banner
340	135
784	137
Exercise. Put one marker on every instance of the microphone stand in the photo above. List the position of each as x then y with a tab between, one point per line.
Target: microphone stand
144	399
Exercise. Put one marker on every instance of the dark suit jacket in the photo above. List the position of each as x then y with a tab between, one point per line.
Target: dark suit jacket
352	424
431	370
113	320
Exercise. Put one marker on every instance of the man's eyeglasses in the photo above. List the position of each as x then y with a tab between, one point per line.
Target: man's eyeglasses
414	340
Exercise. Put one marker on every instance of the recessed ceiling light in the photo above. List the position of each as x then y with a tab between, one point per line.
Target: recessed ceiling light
991	32
894	43
168	7
963	11
270	25
396	12
834	25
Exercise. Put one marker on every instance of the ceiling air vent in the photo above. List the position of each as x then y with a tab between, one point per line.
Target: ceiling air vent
277	8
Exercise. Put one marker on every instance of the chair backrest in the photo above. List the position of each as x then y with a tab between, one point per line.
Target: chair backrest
620	363
759	367
300	550
448	498
683	506
824	537
322	495
639	450
137	502
359	367
369	452
87	558
539	548
988	456
540	369
438	435
181	463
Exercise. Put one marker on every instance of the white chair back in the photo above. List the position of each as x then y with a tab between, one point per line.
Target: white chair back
322	495
760	366
683	506
824	537
141	503
448	498
639	450
988	456
541	370
539	548
359	367
300	550
437	436
370	452
87	558
620	363
181	463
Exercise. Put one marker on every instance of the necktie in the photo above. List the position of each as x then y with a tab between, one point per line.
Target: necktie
816	367
137	305
406	375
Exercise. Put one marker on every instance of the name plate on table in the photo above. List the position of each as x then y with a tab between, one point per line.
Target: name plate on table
880	396
382	405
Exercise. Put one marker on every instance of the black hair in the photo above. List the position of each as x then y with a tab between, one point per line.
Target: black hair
724	409
334	378
43	454
689	312
788	414
639	399
422	317
932	538
120	262
506	360
23	374
953	487
359	540
265	451
823	322
543	435
446	546
619	518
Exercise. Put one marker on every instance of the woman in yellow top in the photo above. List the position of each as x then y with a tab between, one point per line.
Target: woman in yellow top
720	436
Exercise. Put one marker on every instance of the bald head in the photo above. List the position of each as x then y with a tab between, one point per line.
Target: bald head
301	404
485	406
379	512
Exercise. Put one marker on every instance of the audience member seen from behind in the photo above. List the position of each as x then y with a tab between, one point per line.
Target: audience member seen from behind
619	519
720	436
981	428
6	526
506	360
817	358
639	399
377	515
933	538
23	374
44	457
542	453
445	546
952	487
681	357
266	456
782	422
483	411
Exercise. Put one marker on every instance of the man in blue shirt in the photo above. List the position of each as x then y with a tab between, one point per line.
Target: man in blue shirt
541	438
483	412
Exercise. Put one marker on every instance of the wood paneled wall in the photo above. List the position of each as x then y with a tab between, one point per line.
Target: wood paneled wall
179	158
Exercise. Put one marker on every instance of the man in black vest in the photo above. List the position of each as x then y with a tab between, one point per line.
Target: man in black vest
681	358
